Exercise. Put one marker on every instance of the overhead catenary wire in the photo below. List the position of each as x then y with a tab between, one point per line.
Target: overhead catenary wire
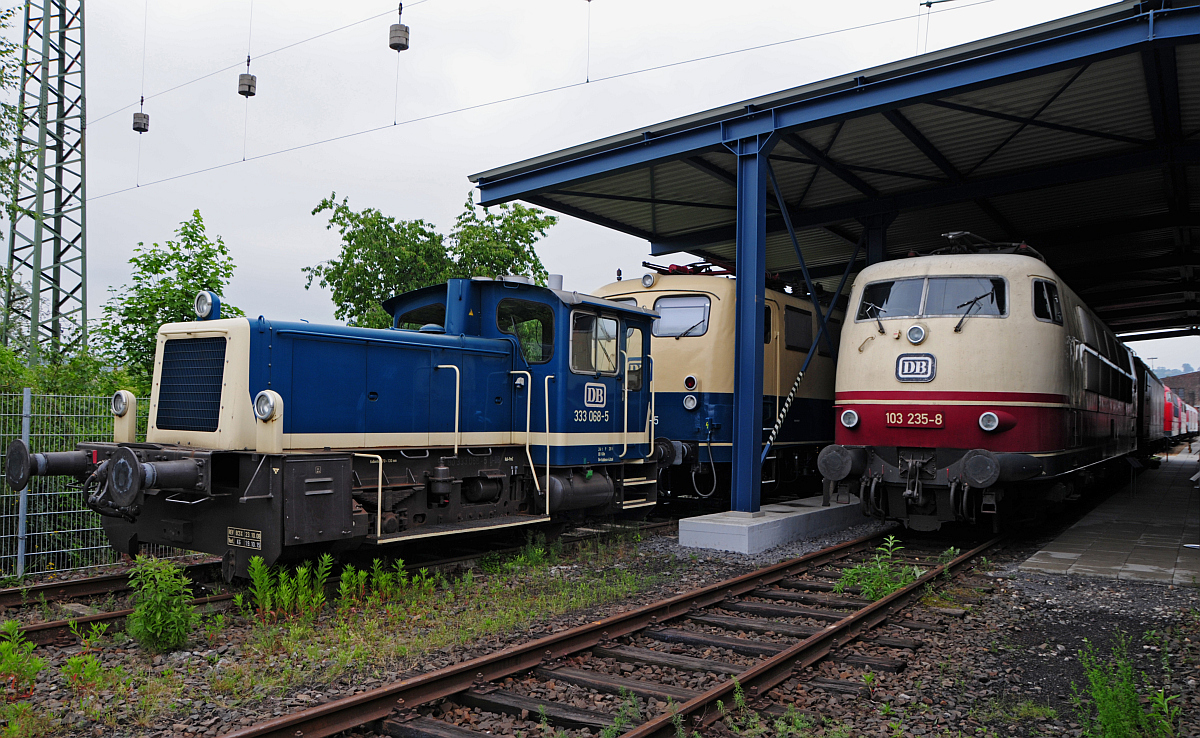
215	72
526	96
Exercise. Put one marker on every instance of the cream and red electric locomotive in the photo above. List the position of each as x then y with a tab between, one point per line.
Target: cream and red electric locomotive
973	382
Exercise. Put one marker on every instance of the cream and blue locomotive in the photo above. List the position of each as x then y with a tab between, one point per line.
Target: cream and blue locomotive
488	403
693	340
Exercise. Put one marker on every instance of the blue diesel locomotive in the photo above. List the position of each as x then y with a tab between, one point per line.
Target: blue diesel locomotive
488	404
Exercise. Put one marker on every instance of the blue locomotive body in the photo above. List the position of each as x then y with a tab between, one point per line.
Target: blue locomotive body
487	404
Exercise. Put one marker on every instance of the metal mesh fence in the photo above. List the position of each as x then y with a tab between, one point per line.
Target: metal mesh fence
61	533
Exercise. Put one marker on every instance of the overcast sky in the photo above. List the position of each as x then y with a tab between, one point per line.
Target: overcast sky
464	53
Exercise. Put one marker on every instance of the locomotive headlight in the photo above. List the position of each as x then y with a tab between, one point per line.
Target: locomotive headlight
120	404
849	418
648	280
989	421
690	402
690	382
208	305
916	334
264	406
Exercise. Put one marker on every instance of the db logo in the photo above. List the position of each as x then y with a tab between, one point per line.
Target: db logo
916	367
594	395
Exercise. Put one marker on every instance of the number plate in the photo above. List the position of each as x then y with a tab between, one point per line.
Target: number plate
914	419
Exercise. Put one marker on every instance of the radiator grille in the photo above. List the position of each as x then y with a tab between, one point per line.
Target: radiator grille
189	395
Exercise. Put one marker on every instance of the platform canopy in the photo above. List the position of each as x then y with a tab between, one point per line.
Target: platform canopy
1080	137
1077	136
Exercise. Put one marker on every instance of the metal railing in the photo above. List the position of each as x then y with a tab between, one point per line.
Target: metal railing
48	527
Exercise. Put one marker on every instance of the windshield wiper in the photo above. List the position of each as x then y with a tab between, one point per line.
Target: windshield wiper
970	305
689	330
877	311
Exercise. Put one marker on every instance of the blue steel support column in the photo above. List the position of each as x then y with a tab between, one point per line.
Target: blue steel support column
748	342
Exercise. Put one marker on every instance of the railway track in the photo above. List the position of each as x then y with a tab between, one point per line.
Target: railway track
771	624
58	632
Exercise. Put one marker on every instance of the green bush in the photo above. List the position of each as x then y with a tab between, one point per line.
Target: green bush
1111	706
882	575
18	666
163	615
83	673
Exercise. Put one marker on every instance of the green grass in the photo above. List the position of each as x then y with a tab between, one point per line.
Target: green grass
1110	706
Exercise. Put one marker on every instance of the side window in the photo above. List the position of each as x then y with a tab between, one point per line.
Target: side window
835	335
414	319
1046	306
766	324
1086	327
633	352
797	329
593	344
532	323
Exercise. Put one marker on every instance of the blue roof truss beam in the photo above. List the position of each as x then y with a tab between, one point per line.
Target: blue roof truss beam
966	191
1040	123
647	200
830	165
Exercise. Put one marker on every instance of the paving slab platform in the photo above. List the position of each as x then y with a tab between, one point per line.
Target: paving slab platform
1136	534
773	526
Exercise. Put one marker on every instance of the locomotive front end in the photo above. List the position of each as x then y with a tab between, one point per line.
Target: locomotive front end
961	388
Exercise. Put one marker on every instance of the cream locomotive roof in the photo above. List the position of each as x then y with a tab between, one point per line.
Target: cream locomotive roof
999	265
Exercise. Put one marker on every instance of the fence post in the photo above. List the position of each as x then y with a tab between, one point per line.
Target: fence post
23	503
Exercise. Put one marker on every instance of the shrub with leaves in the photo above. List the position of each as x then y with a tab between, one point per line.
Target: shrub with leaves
18	666
882	574
83	673
1111	706
163	615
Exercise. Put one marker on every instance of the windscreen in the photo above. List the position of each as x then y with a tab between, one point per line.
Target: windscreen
681	316
956	295
894	299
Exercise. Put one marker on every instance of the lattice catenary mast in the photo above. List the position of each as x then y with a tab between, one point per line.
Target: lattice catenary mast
47	253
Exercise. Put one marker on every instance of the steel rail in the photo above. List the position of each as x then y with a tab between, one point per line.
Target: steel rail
376	704
765	676
82	587
46	633
43	634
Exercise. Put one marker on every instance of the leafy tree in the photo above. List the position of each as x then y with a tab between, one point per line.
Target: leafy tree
10	80
382	256
500	243
166	279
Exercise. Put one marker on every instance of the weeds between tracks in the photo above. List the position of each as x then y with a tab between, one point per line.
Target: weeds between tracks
282	634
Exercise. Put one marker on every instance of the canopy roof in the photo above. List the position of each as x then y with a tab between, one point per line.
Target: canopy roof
1079	137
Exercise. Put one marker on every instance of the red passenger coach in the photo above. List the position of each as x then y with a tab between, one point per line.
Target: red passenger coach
974	382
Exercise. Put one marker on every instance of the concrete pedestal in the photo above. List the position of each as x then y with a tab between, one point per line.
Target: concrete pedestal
773	525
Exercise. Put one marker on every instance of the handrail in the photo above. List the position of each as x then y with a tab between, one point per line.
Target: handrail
650	415
379	501
457	386
547	398
528	408
624	405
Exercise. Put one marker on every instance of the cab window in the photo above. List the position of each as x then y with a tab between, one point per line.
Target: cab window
681	316
425	315
593	344
957	295
897	298
633	353
1046	306
532	324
